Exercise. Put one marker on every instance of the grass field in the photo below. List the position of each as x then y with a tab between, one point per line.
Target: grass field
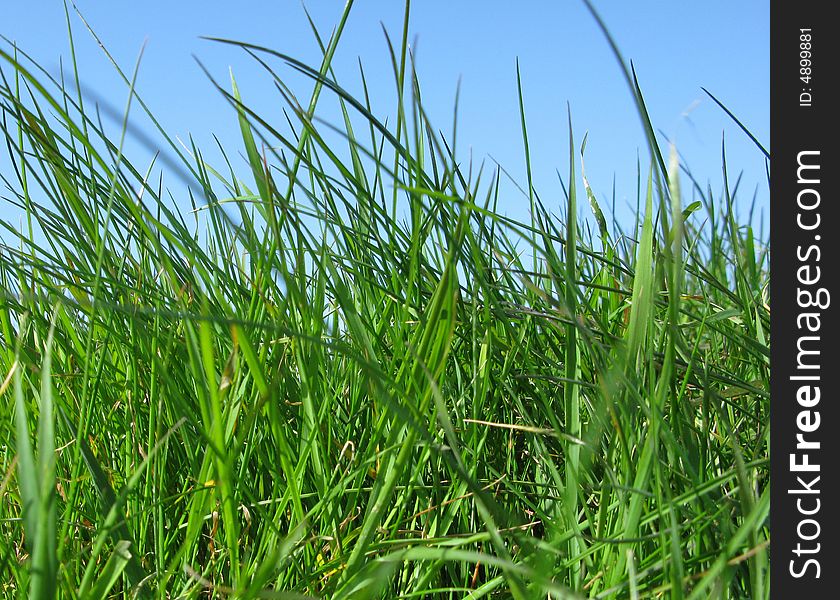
346	374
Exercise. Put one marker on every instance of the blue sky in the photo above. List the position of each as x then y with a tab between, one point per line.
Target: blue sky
677	47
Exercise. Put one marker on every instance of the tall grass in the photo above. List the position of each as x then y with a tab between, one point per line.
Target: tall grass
345	374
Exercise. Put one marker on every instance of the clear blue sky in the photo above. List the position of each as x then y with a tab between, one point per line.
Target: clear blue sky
677	47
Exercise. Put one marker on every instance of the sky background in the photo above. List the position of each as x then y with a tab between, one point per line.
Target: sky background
676	47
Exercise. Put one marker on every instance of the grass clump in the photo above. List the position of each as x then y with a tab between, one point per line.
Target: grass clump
345	374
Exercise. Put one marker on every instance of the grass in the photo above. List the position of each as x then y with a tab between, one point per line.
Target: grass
345	374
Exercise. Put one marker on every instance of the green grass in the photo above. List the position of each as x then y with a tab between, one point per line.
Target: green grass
346	374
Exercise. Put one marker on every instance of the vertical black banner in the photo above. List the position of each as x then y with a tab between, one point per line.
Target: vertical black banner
805	440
